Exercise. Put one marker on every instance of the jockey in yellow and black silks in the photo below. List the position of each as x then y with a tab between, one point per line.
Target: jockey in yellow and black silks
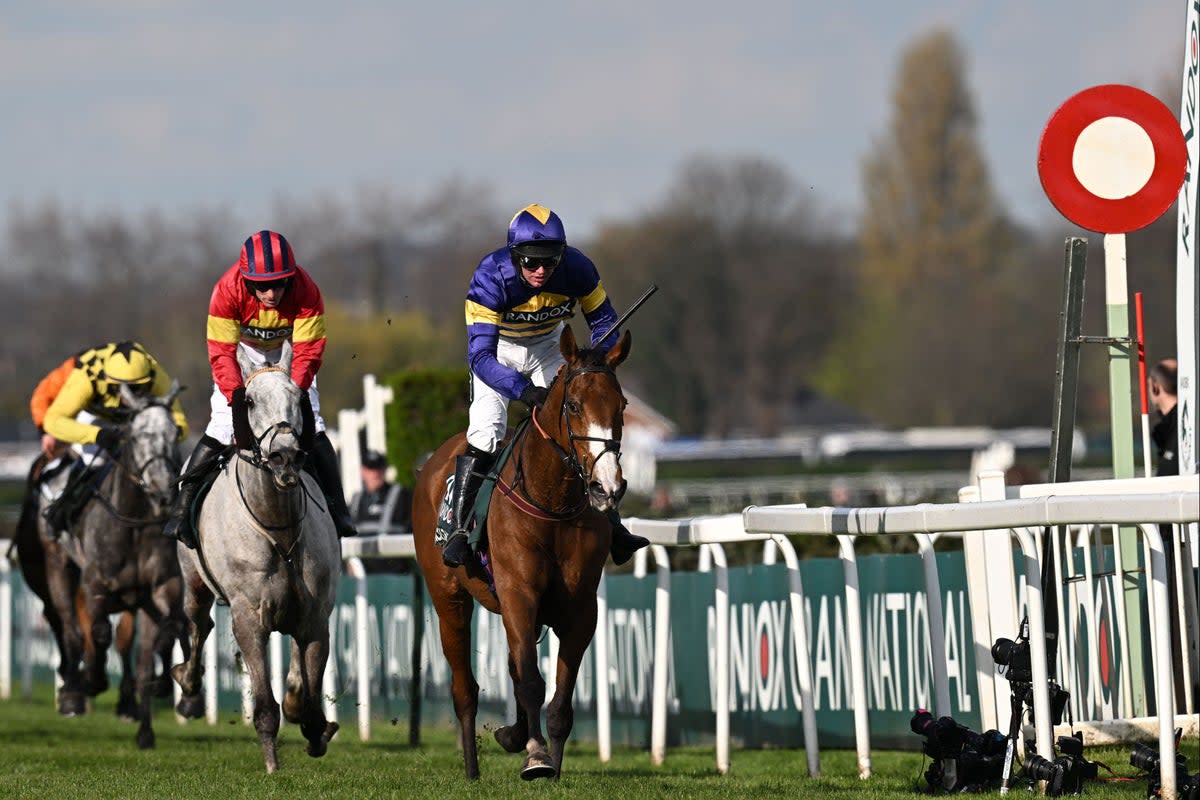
88	406
82	407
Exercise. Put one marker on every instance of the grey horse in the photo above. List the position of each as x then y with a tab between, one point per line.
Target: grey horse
126	563
268	547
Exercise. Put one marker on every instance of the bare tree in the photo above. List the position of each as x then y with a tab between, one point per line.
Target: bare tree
750	278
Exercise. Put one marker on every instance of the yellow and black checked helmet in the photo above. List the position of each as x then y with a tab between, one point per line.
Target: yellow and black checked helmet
129	363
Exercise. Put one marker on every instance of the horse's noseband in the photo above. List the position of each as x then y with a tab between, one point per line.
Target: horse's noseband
266	459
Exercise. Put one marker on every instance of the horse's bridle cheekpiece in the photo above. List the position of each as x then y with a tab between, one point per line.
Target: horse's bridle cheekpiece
568	456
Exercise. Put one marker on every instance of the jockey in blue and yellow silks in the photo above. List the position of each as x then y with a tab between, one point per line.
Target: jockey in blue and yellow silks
264	299
518	300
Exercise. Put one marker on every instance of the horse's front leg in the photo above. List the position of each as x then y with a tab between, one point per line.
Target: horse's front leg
62	580
520	624
146	665
95	608
303	702
197	609
513	737
573	643
454	622
126	700
251	638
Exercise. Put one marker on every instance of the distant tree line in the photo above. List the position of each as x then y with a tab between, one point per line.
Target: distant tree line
933	308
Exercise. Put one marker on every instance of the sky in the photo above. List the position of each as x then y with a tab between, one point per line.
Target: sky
588	107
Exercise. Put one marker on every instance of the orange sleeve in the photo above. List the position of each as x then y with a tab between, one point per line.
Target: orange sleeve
47	389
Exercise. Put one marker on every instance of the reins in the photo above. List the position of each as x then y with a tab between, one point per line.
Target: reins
518	492
263	529
258	461
133	474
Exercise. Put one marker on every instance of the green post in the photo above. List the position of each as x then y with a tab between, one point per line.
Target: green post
1120	386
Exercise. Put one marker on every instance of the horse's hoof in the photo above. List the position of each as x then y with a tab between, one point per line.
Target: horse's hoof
71	704
510	739
145	740
95	686
127	709
318	746
538	765
190	706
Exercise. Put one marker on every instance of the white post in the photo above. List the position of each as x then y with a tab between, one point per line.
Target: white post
6	626
722	610
801	650
362	645
275	647
603	663
662	654
858	677
210	669
937	626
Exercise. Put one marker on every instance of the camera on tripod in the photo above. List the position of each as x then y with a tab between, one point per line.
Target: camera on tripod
1148	759
1065	774
963	760
1014	656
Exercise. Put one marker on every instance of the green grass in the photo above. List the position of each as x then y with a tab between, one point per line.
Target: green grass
45	756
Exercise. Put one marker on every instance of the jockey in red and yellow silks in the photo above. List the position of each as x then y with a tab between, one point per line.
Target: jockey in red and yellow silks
236	316
262	301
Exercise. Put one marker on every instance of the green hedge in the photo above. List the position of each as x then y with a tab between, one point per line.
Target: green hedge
428	407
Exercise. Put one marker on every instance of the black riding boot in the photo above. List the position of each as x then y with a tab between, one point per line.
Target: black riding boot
469	471
64	509
201	462
624	543
325	465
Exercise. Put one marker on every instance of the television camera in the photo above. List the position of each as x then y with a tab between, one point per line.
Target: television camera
963	760
1143	757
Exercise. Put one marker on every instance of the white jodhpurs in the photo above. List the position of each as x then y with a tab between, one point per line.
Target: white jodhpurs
537	360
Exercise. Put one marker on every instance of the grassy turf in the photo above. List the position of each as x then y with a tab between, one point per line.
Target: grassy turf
45	756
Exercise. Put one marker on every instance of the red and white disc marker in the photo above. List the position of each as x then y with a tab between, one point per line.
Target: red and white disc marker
1112	159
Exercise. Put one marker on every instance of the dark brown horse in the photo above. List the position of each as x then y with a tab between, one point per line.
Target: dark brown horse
127	564
548	540
52	575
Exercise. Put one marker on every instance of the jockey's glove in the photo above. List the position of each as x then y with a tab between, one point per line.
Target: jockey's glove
243	437
534	396
108	439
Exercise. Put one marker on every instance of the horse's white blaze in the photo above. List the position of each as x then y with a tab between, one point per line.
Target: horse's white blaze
605	470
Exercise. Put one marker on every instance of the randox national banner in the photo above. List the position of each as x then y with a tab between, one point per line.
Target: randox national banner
764	685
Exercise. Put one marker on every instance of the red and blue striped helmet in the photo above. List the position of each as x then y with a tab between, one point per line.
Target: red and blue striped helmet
267	256
536	231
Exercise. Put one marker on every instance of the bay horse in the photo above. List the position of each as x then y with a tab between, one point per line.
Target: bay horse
548	539
51	574
268	547
127	565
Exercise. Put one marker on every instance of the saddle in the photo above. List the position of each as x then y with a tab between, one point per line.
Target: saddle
477	520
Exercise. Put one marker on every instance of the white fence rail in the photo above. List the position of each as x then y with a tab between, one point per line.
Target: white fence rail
1021	517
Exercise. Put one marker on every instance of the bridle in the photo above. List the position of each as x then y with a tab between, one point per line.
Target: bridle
260	457
567	455
133	474
257	458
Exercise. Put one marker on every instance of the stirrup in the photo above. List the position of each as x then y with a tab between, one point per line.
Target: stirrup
457	550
